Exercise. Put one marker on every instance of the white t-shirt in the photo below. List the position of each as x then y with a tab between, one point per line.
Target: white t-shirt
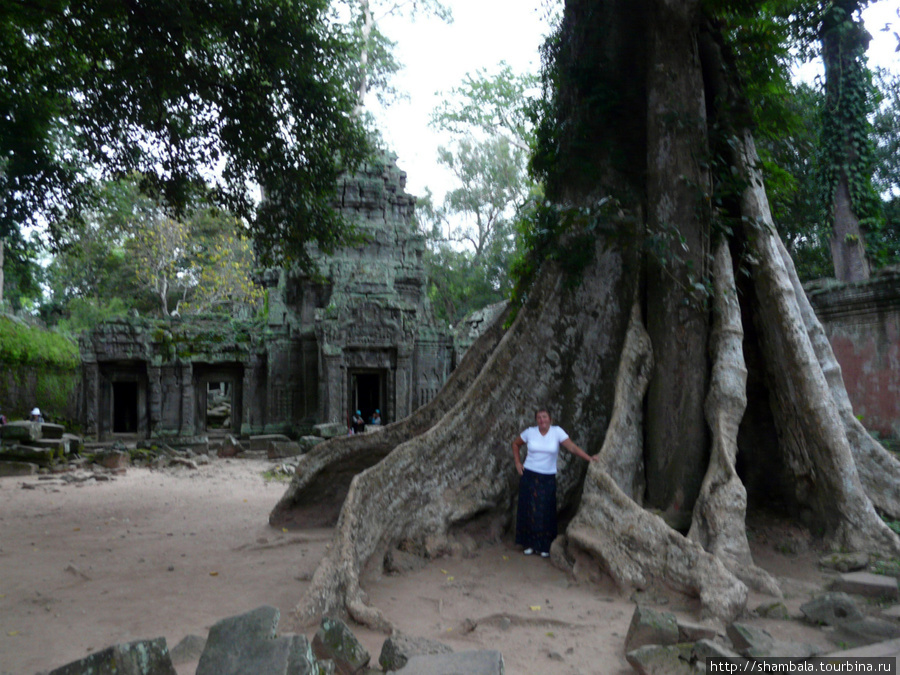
543	450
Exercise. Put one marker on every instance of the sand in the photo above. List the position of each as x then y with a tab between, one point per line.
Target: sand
87	564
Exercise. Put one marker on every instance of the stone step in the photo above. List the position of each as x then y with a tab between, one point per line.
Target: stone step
867	584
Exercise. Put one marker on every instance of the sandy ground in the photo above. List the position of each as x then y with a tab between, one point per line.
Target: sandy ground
168	553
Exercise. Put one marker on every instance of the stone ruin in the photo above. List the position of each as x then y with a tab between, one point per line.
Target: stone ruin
358	335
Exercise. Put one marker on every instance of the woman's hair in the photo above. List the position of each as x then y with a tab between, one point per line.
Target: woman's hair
540	410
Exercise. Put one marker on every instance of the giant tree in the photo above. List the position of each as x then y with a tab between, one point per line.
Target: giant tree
662	319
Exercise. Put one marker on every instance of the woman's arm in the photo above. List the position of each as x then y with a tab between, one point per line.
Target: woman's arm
575	450
516	446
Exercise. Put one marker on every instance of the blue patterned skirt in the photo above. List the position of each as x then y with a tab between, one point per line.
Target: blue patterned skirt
536	514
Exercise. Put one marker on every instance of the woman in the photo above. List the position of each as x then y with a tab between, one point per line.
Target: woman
536	518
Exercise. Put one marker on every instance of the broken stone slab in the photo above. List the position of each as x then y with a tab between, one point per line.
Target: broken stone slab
830	609
745	637
282	449
307	443
330	430
143	657
261	443
189	649
662	660
481	662
773	610
20	431
867	584
231	447
28	453
794	650
399	648
113	459
74	444
692	632
889	648
704	649
57	444
892	612
845	562
16	468
247	643
866	631
52	431
651	627
334	641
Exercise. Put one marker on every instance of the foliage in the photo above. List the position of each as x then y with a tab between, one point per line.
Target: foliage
845	142
182	92
129	253
21	344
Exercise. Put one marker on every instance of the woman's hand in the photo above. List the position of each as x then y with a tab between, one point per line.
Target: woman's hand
520	468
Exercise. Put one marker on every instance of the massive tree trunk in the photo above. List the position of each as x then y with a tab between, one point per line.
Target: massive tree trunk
648	334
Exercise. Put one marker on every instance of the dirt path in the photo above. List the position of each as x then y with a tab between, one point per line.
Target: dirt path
85	565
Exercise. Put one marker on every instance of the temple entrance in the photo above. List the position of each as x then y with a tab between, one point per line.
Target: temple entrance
219	398
367	393
125	407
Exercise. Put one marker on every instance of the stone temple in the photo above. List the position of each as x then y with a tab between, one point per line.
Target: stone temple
359	335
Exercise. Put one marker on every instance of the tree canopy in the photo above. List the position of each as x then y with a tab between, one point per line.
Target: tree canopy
187	93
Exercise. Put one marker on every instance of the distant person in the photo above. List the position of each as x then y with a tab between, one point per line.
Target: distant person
36	416
376	418
358	423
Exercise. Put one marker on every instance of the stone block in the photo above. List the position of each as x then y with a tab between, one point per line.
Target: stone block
399	648
261	443
143	657
282	449
189	649
691	632
845	562
113	459
54	431
17	468
75	444
482	662
866	631
830	609
867	584
745	637
28	453
330	430
20	431
660	660
307	443
334	641
651	627
58	445
231	447
247	643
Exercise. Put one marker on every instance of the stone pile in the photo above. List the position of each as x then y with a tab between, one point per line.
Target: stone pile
658	643
26	447
250	643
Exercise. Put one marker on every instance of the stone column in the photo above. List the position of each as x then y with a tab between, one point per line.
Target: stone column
154	391
91	389
403	384
333	398
187	402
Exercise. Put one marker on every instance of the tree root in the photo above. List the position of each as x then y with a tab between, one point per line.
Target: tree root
323	475
719	519
879	470
460	471
812	432
636	547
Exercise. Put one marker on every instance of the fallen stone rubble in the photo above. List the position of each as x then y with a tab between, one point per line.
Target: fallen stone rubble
658	643
250	643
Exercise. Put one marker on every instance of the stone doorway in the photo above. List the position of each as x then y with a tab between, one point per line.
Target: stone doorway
125	407
367	393
219	392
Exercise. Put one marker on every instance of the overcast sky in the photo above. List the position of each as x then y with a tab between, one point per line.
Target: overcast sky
485	32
